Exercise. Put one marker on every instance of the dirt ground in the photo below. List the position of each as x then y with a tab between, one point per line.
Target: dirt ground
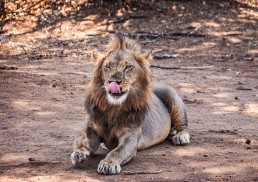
44	71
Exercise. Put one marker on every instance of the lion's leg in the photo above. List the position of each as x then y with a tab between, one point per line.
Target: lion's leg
124	152
179	132
84	145
179	126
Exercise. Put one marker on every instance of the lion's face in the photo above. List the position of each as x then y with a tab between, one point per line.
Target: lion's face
119	75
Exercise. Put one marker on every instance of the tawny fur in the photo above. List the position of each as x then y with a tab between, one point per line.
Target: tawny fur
145	116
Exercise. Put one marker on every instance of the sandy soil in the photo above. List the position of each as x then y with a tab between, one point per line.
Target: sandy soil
44	71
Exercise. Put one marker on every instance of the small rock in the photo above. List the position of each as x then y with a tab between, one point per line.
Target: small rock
31	159
2	37
206	155
248	148
236	98
255	179
248	141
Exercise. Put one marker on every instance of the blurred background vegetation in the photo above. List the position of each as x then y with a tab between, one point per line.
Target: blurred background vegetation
47	12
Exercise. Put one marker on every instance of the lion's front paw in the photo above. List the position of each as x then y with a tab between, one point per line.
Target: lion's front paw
109	167
181	138
78	156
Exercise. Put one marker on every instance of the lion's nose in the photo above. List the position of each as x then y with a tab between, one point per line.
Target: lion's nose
116	77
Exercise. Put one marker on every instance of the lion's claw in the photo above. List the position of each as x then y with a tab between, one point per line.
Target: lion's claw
181	138
109	167
78	156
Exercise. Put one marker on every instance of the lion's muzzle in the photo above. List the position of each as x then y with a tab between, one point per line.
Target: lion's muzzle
114	88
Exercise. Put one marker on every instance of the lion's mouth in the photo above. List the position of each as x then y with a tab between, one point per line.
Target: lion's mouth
115	90
117	94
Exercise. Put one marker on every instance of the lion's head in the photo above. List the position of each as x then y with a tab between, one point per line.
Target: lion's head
121	75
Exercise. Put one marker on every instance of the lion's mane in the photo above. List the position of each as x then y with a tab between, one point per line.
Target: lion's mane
133	110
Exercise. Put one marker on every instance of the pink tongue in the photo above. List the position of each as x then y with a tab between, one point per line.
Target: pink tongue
114	88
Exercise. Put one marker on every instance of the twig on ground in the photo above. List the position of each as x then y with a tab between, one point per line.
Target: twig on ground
196	67
123	19
154	36
224	131
187	34
165	56
141	172
183	68
165	67
25	52
138	26
233	34
30	162
243	88
175	35
8	68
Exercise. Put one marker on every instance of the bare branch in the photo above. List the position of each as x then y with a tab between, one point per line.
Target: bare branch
141	172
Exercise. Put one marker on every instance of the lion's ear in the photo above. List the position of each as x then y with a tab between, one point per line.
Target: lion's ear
147	55
96	56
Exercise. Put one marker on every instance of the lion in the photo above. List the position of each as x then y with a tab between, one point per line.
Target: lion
124	111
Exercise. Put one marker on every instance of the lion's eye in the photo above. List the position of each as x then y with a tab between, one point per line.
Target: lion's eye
107	67
128	67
